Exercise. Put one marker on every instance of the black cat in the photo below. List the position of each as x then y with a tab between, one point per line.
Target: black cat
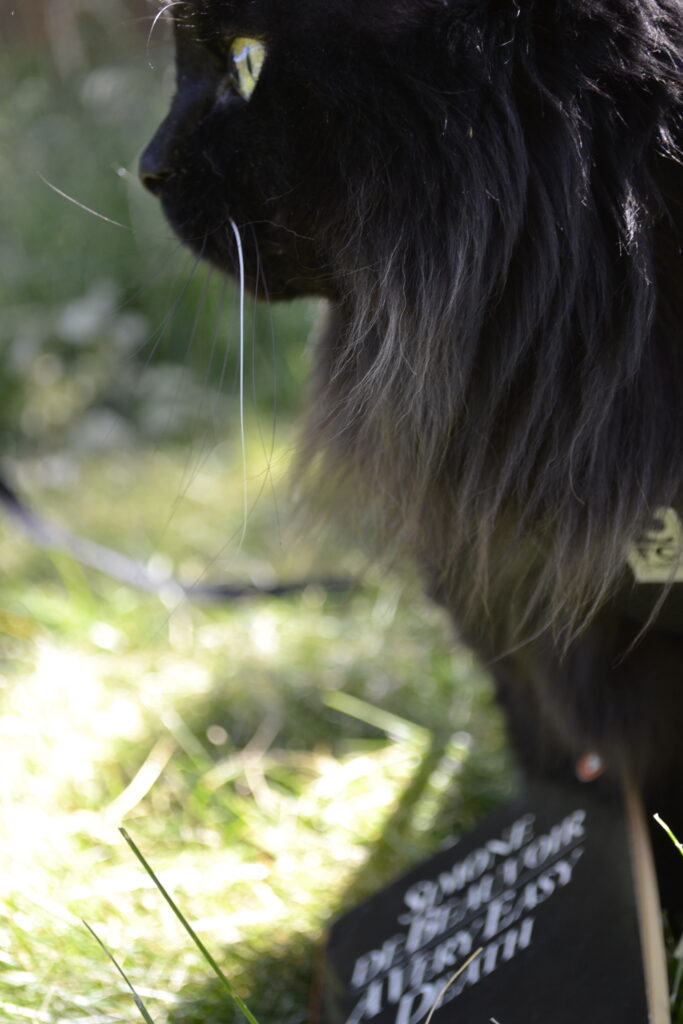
489	194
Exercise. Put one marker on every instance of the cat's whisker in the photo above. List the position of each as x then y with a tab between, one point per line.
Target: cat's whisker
240	260
196	454
214	345
81	205
261	293
273	364
157	336
213	414
280	227
157	18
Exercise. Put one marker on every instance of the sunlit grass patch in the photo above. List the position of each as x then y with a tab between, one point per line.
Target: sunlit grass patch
243	746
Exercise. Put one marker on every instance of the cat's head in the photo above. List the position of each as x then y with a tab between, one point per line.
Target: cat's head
489	193
300	122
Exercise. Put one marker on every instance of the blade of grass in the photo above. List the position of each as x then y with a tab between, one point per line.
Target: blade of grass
138	1001
190	931
395	727
672	837
453	978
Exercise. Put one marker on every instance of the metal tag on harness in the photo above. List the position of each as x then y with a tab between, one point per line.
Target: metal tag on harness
658	556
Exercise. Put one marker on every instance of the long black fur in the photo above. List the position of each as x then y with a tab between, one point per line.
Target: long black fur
490	195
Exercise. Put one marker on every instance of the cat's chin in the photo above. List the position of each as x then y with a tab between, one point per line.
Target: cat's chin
268	275
275	265
274	282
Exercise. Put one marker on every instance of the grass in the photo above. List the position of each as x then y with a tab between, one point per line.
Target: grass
241	745
273	760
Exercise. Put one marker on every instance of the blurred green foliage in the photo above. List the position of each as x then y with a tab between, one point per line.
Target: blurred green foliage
108	330
225	737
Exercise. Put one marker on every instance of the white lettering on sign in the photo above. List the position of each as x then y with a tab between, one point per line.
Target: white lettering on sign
486	902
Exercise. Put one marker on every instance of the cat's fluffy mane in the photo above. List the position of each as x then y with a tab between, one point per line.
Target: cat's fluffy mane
502	375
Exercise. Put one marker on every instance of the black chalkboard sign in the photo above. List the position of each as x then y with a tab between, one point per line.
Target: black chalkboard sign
534	917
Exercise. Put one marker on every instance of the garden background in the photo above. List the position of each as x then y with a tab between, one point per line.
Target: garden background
274	759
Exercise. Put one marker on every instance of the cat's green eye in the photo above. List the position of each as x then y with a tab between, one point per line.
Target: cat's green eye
248	56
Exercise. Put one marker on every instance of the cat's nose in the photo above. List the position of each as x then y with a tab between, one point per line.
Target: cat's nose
153	169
